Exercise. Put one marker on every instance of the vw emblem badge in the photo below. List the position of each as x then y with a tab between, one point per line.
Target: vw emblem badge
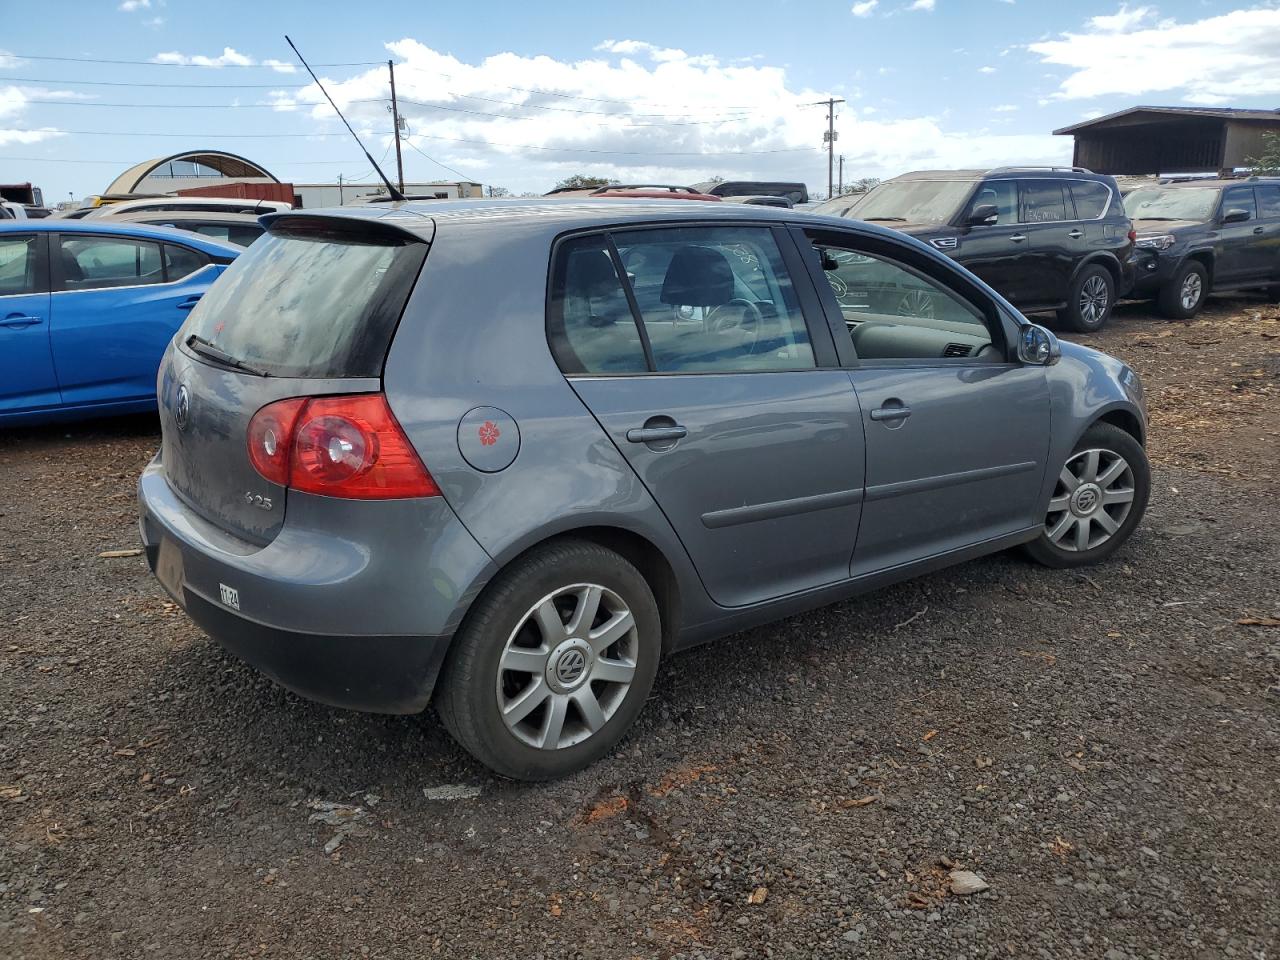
570	666
182	407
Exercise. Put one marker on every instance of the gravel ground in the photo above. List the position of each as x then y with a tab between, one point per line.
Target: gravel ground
1099	747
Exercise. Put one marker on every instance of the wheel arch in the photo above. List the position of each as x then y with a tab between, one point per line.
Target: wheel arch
1205	259
1105	260
1127	419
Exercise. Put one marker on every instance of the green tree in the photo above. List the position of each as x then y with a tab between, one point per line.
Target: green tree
581	181
1269	163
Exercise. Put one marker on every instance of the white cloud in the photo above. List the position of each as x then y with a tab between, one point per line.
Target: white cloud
280	66
923	5
228	57
865	8
1218	59
8	61
129	6
986	69
1122	21
28	136
1005	108
155	23
635	114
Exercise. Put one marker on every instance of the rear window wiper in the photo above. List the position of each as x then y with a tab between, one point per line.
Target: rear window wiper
207	350
899	219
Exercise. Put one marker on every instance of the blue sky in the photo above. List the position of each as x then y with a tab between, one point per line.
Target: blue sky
515	95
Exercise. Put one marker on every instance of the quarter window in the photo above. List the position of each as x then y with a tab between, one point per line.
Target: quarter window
181	262
590	325
1090	198
1240	198
1268	199
893	312
18	265
1043	202
90	263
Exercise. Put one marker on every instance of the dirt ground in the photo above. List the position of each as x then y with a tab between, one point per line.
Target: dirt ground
1100	747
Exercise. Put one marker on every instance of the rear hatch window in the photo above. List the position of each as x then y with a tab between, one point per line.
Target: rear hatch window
311	299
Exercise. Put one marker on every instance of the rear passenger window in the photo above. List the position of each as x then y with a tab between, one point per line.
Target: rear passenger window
1043	202
91	263
17	265
180	262
590	326
1091	198
1268	199
715	300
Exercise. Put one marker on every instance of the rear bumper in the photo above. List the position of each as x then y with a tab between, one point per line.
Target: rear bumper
353	604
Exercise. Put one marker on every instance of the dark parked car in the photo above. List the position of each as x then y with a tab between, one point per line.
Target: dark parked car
795	192
389	473
1202	236
634	191
1048	238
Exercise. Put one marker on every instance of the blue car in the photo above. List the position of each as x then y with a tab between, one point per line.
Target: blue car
87	309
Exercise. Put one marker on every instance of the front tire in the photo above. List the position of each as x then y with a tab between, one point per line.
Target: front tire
1090	300
553	662
1183	296
1098	500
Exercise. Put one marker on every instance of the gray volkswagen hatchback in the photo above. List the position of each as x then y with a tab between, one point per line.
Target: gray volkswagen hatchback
509	455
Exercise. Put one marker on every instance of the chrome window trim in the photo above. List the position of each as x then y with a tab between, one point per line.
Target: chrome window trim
1111	196
137	286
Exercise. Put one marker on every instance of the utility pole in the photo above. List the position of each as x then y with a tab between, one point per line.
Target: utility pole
842	174
340	197
829	137
395	122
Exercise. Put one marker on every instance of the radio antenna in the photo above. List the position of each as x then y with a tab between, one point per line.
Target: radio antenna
391	190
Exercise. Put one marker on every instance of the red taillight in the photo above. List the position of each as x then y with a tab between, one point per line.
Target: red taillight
1133	235
348	446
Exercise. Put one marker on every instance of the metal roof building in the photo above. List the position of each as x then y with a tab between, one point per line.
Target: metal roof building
191	168
1147	140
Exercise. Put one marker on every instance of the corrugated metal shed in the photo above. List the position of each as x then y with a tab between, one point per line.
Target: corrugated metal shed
1152	140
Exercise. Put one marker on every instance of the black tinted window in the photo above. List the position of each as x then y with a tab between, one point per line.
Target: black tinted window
715	299
589	324
1001	194
1090	197
181	262
18	264
91	263
1268	199
311	301
1240	198
1043	202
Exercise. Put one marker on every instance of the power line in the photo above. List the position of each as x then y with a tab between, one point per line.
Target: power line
737	115
189	136
209	66
195	106
439	164
620	116
175	86
622	153
130	163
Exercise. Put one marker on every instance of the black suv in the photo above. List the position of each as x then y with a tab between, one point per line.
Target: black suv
1205	235
1047	238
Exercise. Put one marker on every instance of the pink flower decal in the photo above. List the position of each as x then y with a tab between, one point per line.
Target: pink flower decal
489	433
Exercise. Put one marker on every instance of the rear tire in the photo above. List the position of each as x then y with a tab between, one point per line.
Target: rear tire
553	662
1273	294
1183	296
1090	300
1097	502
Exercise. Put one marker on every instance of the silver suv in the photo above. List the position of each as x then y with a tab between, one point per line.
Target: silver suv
509	455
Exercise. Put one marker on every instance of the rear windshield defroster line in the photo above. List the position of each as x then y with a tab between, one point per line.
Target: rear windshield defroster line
311	299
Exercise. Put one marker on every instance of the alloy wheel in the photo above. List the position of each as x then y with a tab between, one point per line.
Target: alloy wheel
1094	300
1192	287
567	666
1090	501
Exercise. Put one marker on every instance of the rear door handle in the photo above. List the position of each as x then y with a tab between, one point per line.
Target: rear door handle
891	413
1257	229
657	434
1075	234
16	321
1017	238
188	303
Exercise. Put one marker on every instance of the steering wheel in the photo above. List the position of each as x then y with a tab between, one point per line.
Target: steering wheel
741	315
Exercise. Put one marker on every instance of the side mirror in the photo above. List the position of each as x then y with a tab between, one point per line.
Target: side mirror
1235	215
1038	346
983	214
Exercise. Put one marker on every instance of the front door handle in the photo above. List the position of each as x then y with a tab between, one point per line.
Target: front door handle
1257	229
1017	238
657	434
1075	234
16	321
891	412
188	303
